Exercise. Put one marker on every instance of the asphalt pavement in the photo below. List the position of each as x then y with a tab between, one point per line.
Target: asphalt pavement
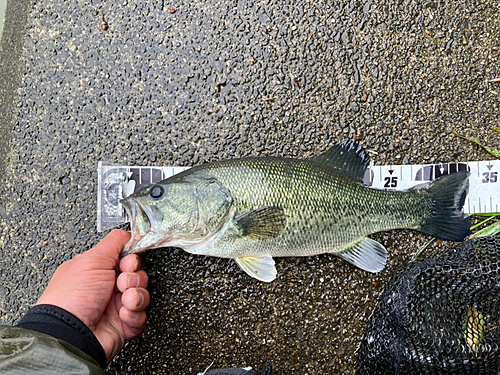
187	82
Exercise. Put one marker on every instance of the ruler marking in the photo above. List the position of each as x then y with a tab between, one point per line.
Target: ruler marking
488	192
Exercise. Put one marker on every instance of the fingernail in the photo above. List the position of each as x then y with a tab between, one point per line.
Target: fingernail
141	301
133	281
133	314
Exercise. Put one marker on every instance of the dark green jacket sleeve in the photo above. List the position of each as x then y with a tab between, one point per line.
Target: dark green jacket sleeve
61	324
24	351
50	340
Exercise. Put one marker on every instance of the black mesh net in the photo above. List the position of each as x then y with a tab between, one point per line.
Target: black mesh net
439	315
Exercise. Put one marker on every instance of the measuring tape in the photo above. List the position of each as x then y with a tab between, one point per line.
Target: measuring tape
484	181
118	181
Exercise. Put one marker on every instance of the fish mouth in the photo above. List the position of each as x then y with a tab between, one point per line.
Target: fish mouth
153	214
140	225
145	227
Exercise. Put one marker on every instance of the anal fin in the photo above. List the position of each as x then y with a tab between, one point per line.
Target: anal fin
366	254
260	267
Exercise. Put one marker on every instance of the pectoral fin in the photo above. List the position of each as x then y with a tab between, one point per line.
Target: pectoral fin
367	254
262	268
262	223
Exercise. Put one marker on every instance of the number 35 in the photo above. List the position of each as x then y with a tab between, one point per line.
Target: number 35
490	177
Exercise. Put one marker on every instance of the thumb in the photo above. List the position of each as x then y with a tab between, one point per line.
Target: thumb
109	247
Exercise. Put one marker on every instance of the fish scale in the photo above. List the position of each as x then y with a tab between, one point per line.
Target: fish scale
313	199
253	209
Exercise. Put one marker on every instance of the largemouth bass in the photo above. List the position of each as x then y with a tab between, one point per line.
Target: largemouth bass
257	208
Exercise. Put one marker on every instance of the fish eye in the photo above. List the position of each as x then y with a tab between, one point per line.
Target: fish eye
157	192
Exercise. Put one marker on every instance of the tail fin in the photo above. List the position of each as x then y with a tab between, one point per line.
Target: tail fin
448	197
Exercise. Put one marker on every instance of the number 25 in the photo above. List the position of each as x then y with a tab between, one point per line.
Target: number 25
391	182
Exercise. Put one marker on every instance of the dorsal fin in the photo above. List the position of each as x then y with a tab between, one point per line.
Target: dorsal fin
348	157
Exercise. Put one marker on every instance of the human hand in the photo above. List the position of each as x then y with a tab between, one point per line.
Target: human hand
88	287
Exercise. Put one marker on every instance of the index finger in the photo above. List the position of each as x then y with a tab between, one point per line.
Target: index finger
130	263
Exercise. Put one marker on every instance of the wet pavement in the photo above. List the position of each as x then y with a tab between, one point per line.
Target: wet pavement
186	82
